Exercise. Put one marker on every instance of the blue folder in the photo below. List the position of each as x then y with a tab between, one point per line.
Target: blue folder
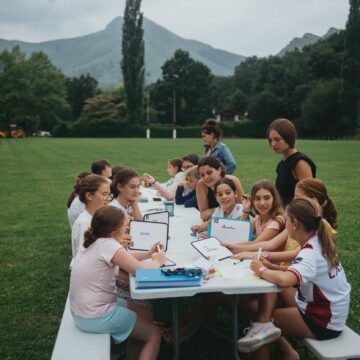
155	278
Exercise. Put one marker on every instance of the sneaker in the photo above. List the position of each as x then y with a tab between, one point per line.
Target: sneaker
258	335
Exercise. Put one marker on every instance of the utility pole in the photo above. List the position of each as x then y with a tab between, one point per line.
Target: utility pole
174	114
147	115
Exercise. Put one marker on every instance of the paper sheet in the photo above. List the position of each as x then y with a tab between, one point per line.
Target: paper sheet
235	271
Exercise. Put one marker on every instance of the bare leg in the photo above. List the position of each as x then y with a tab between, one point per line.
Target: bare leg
135	346
150	335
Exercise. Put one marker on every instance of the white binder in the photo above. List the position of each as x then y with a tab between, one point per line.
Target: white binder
230	230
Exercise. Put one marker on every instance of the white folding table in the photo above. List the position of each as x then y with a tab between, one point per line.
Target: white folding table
183	253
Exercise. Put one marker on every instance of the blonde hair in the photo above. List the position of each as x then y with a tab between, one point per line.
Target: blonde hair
307	212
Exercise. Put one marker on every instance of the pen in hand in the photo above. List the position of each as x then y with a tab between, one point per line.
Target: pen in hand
259	254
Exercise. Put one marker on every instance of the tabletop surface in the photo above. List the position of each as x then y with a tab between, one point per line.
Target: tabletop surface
180	251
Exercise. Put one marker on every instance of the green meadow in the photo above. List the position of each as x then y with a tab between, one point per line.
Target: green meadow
36	178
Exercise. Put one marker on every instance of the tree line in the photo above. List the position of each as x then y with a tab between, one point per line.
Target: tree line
318	88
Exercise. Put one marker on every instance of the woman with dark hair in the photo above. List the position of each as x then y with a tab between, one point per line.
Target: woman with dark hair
211	134
295	165
211	170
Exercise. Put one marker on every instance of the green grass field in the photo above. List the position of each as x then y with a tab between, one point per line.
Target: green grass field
35	180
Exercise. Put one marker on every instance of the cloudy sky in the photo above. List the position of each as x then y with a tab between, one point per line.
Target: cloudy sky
246	27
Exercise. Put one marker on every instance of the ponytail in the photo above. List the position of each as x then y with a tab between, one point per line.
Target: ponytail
89	237
105	221
76	187
307	212
330	213
326	237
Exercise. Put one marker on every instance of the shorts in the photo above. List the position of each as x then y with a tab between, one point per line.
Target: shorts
119	322
320	332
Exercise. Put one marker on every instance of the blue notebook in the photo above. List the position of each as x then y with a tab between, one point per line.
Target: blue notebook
155	278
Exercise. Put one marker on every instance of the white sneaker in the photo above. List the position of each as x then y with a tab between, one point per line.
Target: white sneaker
258	335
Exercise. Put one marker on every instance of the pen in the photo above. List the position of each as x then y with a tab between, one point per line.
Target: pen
259	253
197	235
158	248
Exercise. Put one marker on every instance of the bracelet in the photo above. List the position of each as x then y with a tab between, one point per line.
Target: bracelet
261	270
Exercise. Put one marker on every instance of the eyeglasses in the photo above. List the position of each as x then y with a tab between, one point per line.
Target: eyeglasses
190	272
108	196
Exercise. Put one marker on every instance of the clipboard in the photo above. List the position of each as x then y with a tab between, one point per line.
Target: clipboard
160	216
146	233
230	230
211	247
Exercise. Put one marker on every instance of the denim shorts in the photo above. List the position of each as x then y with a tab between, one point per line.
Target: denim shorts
119	322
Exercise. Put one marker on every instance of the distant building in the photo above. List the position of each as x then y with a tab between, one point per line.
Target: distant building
227	115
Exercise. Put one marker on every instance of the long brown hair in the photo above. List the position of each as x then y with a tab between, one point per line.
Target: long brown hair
277	211
105	221
308	213
315	188
122	177
286	130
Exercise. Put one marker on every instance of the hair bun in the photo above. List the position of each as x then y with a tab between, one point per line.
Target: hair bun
211	122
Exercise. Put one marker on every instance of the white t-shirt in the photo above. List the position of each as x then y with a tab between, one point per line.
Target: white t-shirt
75	209
172	182
81	224
235	213
323	296
92	281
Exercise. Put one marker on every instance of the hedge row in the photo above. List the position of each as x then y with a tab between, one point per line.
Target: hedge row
109	127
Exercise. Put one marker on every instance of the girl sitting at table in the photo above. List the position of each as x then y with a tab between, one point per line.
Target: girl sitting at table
320	307
311	188
95	193
211	170
167	189
186	190
225	194
94	304
269	220
126	190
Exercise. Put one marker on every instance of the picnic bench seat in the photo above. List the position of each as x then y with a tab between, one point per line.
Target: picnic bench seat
74	344
346	346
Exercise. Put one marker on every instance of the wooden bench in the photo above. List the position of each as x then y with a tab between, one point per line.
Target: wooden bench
74	344
346	346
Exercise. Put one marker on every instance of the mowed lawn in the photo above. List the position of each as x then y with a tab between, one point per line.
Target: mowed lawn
35	180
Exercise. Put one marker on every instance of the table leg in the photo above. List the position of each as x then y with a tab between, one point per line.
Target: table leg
235	326
175	316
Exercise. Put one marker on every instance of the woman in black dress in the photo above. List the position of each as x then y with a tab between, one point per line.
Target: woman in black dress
295	166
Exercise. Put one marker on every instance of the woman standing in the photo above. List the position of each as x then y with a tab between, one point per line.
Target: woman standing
211	134
295	166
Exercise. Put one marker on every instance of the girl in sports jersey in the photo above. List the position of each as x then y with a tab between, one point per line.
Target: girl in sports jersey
321	304
225	194
269	220
126	190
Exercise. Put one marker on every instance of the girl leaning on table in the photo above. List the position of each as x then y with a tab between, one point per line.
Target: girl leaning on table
167	189
320	307
126	190
93	299
226	196
211	170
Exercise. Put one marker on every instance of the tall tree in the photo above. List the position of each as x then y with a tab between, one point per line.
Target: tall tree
132	64
78	90
351	69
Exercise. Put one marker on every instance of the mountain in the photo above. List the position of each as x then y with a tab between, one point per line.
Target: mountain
99	54
307	39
